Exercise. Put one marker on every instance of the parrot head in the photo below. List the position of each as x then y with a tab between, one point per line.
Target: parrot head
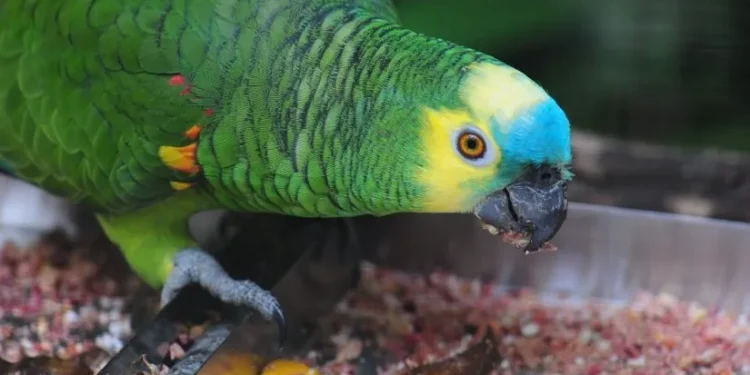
503	153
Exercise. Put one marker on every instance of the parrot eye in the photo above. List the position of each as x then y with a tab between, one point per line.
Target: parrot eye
471	144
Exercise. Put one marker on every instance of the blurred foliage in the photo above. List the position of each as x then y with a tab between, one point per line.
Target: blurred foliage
665	71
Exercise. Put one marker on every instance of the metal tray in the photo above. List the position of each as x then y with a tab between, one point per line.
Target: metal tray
604	252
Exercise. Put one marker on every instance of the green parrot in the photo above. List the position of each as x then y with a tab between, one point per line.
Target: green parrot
149	112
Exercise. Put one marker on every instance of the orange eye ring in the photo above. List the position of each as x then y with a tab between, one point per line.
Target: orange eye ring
471	145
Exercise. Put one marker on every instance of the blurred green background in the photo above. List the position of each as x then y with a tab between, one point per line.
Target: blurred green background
672	72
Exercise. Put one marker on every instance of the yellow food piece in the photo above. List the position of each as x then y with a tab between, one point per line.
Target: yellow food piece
288	367
233	364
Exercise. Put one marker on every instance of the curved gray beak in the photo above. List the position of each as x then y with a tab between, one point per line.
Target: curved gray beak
536	204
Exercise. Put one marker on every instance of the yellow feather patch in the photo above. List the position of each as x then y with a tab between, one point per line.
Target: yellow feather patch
180	186
193	132
180	158
495	90
446	173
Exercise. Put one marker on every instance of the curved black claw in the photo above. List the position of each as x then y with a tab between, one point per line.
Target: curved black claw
197	266
278	317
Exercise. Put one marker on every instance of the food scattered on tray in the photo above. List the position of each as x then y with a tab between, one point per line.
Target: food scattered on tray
399	323
55	305
61	314
63	311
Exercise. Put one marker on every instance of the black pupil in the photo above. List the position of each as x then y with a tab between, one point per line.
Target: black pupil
472	143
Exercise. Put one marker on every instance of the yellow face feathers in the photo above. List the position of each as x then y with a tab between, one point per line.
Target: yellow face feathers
458	151
460	146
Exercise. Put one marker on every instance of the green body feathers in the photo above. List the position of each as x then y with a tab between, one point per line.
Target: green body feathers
87	101
149	111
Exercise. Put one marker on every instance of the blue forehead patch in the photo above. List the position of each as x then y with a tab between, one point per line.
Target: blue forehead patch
538	135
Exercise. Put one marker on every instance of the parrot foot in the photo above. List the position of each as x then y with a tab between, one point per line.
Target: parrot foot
197	266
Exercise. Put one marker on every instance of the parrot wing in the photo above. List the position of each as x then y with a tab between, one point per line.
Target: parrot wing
102	101
88	97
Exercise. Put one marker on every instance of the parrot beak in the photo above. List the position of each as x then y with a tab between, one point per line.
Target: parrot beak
534	206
